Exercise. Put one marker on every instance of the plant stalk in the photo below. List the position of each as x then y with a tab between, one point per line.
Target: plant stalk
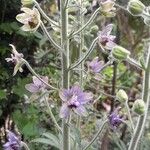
65	65
86	55
146	98
52	115
96	135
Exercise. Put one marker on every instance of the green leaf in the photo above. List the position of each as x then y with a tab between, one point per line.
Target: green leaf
46	141
76	134
52	138
2	94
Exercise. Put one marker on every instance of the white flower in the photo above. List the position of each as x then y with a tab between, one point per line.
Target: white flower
30	18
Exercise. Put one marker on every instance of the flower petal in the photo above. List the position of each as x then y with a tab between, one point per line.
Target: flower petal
107	30
23	18
80	111
26	27
36	81
86	98
32	88
64	111
27	10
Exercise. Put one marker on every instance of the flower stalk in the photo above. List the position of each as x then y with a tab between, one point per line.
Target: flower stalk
52	115
44	14
49	37
86	55
87	23
35	74
24	145
96	135
146	98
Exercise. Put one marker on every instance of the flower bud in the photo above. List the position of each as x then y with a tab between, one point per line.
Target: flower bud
122	96
135	7
120	53
107	5
26	2
147	21
139	107
94	29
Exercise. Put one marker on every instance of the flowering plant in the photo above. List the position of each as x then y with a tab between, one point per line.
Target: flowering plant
73	105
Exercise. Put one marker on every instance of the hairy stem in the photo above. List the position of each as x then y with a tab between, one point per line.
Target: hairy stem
96	135
49	37
86	55
24	145
146	98
52	115
34	73
44	14
86	24
134	63
65	65
129	115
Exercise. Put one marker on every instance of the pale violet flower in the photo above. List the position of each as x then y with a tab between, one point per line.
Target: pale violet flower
14	143
16	58
74	100
30	18
95	65
106	40
37	85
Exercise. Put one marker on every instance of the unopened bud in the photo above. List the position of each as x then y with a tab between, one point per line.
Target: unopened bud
135	7
139	107
122	96
120	53
94	29
107	5
26	2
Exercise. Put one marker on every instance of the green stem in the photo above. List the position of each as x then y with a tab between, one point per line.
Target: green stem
129	115
52	115
23	144
96	135
65	65
49	37
86	55
34	73
86	24
134	63
44	15
146	98
66	4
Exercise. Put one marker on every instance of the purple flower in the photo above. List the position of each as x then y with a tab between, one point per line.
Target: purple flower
13	143
95	65
16	58
37	85
115	119
74	99
105	38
